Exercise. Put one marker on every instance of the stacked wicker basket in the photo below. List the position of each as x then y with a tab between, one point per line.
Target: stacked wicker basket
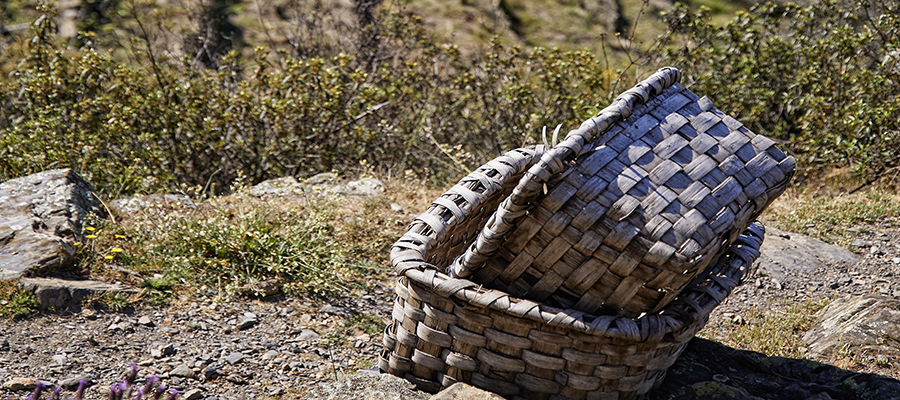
582	270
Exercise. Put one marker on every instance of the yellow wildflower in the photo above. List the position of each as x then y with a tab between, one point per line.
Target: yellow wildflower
116	250
91	236
108	257
91	228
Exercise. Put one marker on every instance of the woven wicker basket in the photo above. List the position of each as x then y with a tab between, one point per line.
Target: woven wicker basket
447	329
639	201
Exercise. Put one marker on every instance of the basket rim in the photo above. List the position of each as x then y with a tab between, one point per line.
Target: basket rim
408	258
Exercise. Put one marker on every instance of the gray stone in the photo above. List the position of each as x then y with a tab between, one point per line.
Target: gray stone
323	178
59	294
366	387
279	187
59	359
145	320
73	382
270	355
462	391
155	204
365	187
265	288
210	372
192	394
162	350
863	324
41	216
247	321
861	244
308	334
235	358
4	344
336	310
183	371
396	207
783	252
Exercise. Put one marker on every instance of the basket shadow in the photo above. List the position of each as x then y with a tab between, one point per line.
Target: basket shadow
710	370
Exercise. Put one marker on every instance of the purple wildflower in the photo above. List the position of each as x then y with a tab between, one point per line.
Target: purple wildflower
79	394
159	392
173	394
37	391
132	375
148	387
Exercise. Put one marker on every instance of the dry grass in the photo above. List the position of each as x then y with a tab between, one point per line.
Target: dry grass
775	330
827	215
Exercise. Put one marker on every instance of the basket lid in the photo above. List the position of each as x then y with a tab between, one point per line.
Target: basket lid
640	199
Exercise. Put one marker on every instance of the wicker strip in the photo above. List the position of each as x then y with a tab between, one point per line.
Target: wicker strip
642	198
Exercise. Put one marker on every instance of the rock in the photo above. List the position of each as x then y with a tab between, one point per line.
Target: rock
709	370
41	216
366	187
783	252
73	382
235	358
396	207
192	394
155	203
247	321
183	371
270	355
286	186
210	372
59	359
863	324
266	288
60	294
861	244
462	391
236	379
4	344
336	310
162	350
19	383
323	178
366	387
145	320
308	334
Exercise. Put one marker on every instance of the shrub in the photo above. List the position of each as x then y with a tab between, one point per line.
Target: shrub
417	105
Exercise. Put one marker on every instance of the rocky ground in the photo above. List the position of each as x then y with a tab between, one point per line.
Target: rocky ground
281	347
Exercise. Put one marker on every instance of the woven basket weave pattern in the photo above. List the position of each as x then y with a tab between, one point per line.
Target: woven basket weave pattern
447	330
632	221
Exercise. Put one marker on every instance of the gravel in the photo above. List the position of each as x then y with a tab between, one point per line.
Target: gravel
240	349
284	347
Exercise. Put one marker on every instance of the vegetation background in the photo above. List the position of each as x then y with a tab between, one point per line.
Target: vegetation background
206	97
145	95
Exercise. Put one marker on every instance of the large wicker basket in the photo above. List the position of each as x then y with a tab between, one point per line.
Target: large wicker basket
447	329
630	207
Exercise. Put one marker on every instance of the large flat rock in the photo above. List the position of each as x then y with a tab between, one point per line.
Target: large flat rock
857	325
41	215
785	252
58	294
